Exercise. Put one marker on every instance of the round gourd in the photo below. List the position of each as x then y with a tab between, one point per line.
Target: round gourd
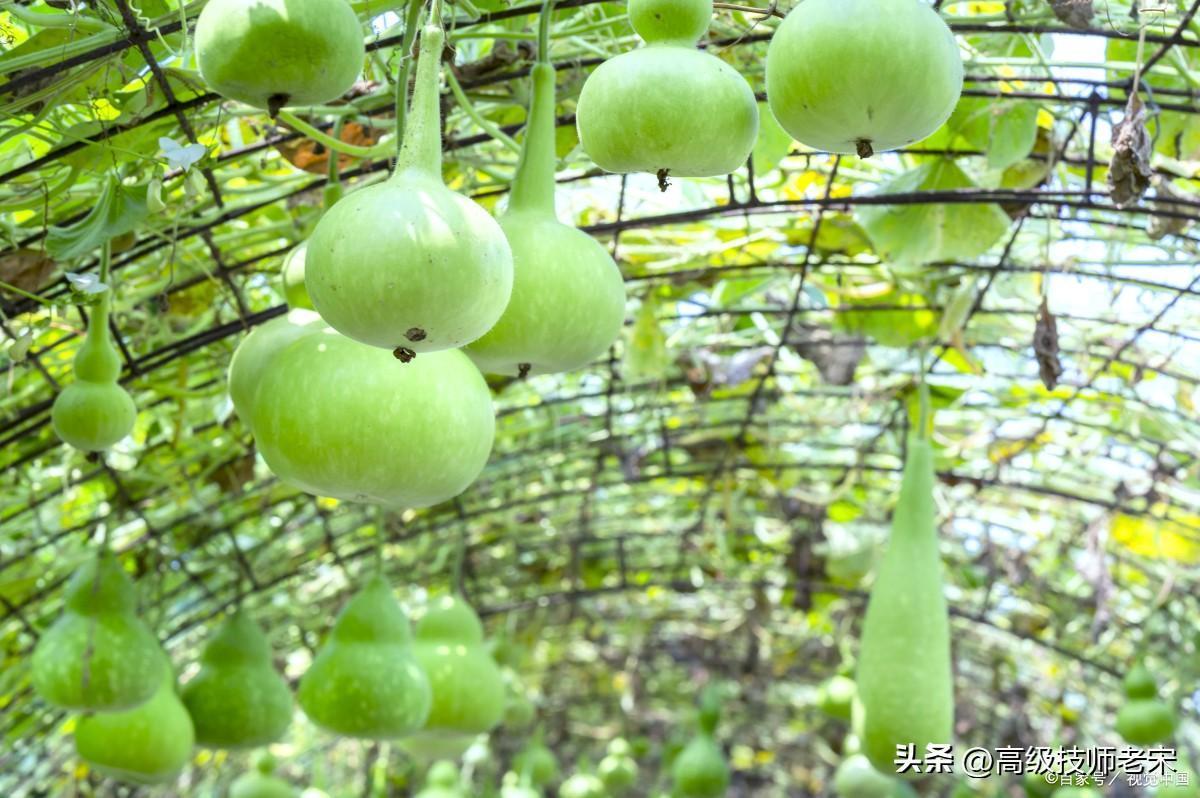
237	700
94	412
365	681
342	419
700	770
409	265
582	785
149	744
1145	722
618	770
519	712
467	686
568	296
98	656
855	778
441	781
261	782
667	108
259	348
276	53
862	76
1139	683
835	697
537	762
292	276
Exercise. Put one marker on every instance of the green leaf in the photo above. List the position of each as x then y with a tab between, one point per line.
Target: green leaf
773	142
646	351
928	233
1013	133
118	210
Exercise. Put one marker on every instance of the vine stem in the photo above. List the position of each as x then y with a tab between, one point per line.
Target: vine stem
331	143
543	41
770	11
464	102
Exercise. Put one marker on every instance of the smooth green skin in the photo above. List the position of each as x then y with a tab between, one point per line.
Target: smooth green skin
1139	683
98	656
582	785
1144	722
538	762
258	349
94	412
667	106
342	419
700	770
237	700
305	51
442	774
365	681
836	697
855	778
568	296
683	21
292	276
468	688
409	263
618	773
261	785
840	72
149	744
904	675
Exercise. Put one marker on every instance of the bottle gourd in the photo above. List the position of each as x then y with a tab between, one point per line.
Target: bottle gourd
862	76
1144	719
237	700
98	656
700	770
365	681
568	296
409	265
258	349
668	108
261	782
93	412
904	671
275	53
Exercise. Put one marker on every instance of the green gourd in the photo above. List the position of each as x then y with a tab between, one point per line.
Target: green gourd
618	770
342	419
292	276
513	786
904	671
1144	719
93	411
237	699
668	108
365	681
700	770
862	76
261	782
835	696
407	264
98	656
519	711
441	781
568	296
582	785
855	778
537	762
149	744
467	686
276	53
258	349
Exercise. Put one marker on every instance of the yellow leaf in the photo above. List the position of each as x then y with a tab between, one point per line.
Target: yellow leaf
1158	538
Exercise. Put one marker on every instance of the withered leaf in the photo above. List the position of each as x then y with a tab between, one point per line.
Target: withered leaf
1074	13
26	269
1130	171
1045	347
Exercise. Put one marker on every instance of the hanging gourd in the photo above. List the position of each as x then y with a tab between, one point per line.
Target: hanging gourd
441	781
339	418
276	53
258	350
292	276
467	686
568	296
835	696
365	681
582	785
618	769
237	699
519	711
904	673
407	264
668	108
149	744
1144	719
855	778
261	782
700	770
513	786
93	411
862	76
537	762
98	656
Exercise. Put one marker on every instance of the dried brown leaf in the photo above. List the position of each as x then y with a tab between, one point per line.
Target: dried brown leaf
1045	347
1130	171
26	269
1074	13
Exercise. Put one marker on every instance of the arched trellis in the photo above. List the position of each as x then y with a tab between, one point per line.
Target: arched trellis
586	479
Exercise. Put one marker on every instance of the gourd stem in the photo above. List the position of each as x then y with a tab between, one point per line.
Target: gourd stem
543	51
924	415
422	147
533	183
412	19
98	325
380	524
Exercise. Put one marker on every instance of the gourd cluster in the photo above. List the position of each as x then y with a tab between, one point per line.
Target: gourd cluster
436	687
